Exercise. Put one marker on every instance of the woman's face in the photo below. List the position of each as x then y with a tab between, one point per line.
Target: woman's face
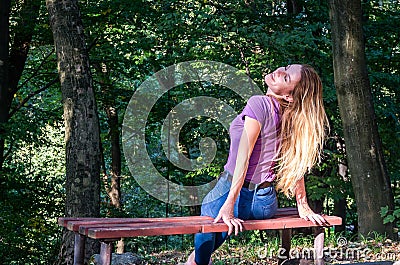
282	81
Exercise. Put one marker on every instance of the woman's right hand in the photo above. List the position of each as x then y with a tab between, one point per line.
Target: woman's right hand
226	214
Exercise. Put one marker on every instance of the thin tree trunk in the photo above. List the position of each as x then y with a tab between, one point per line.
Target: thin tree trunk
294	7
13	57
340	204
113	190
339	209
82	141
367	167
5	8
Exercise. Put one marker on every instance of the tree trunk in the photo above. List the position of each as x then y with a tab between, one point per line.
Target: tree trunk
82	141
113	190
5	8
13	57
367	167
339	209
294	7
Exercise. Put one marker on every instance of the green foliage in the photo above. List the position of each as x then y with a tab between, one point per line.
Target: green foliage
390	216
32	199
129	41
383	62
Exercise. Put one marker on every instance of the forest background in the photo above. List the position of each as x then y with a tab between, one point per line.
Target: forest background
128	41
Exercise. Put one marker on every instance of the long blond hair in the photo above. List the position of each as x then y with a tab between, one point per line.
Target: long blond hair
303	129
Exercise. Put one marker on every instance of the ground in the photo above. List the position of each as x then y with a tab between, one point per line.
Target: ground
386	252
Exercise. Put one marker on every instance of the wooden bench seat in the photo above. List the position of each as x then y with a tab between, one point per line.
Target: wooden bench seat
108	230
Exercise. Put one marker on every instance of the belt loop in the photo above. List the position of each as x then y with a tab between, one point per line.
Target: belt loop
256	186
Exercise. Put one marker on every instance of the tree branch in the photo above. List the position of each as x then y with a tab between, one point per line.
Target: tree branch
36	70
32	94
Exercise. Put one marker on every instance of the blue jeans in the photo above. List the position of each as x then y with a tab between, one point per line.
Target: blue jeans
250	205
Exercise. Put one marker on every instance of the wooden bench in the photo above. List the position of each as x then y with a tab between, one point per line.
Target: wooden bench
109	230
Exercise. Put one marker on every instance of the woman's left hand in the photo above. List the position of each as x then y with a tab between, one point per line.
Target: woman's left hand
306	213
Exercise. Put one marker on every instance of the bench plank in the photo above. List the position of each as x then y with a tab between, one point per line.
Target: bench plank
73	224
107	230
135	230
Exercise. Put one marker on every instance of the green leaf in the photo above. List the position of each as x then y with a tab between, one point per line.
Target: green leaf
384	211
389	219
397	213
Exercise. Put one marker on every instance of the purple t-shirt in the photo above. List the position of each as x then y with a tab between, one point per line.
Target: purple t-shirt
264	109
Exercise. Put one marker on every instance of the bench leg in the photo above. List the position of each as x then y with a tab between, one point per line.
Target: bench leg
319	234
286	237
105	252
79	249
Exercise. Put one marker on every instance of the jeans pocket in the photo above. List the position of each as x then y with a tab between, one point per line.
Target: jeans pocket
270	210
265	192
265	203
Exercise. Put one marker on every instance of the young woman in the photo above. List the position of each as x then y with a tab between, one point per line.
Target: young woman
277	138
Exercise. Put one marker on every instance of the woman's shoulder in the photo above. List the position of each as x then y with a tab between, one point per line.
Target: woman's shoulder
261	108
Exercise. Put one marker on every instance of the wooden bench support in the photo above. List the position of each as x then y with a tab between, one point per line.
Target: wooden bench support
79	249
286	237
106	248
319	237
109	230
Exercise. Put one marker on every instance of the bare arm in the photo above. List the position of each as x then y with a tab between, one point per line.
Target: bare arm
248	138
304	209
